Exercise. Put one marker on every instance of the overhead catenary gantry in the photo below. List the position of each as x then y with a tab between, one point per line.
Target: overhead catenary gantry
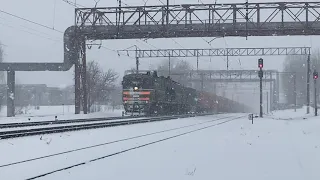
269	51
210	52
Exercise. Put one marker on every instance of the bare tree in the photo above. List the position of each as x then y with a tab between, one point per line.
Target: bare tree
100	83
175	66
298	65
22	100
2	94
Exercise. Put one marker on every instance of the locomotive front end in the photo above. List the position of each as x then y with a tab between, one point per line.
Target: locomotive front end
137	94
136	102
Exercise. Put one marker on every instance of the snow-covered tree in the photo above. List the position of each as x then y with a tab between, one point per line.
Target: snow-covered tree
100	83
1	77
175	66
298	65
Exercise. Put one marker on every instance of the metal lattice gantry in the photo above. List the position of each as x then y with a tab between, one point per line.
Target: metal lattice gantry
226	75
272	51
198	20
219	75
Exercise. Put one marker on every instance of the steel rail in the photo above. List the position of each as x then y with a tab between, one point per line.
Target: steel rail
59	129
134	148
43	123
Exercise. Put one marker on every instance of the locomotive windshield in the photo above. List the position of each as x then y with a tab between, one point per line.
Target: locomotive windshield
129	82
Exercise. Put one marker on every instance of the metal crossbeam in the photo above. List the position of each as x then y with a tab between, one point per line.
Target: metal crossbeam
273	51
229	80
214	75
199	20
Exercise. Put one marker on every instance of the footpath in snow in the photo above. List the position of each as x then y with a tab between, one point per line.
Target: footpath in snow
271	148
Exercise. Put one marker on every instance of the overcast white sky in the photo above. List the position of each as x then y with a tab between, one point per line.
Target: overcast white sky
25	42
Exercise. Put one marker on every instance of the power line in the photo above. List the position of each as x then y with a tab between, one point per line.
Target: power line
23	28
73	4
116	52
45	26
124	3
35	34
33	22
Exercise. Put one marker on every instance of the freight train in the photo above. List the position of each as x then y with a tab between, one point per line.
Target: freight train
149	94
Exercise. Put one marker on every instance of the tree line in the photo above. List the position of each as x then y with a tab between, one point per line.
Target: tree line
1	76
295	69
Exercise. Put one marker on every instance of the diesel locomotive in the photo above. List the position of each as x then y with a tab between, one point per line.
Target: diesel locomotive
145	93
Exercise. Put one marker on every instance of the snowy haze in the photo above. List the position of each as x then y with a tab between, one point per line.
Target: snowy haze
26	42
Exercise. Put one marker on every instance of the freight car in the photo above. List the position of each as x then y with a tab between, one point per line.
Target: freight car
148	94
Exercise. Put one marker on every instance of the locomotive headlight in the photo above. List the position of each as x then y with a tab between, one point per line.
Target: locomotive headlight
135	88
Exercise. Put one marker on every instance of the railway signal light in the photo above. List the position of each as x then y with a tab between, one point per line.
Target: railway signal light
260	63
315	75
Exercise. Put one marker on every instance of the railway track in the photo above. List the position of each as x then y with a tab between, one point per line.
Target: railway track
59	129
102	156
45	123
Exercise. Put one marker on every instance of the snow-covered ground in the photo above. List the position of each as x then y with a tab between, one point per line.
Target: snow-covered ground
291	114
271	148
48	113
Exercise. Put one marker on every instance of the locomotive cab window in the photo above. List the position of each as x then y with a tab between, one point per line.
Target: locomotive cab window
135	82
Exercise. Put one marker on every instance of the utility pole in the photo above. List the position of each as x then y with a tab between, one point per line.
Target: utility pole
84	78
271	93
137	60
202	85
315	77
227	60
295	91
308	84
169	64
197	61
118	20
260	65
267	99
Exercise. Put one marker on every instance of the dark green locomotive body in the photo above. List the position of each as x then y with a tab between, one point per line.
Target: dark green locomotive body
149	94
